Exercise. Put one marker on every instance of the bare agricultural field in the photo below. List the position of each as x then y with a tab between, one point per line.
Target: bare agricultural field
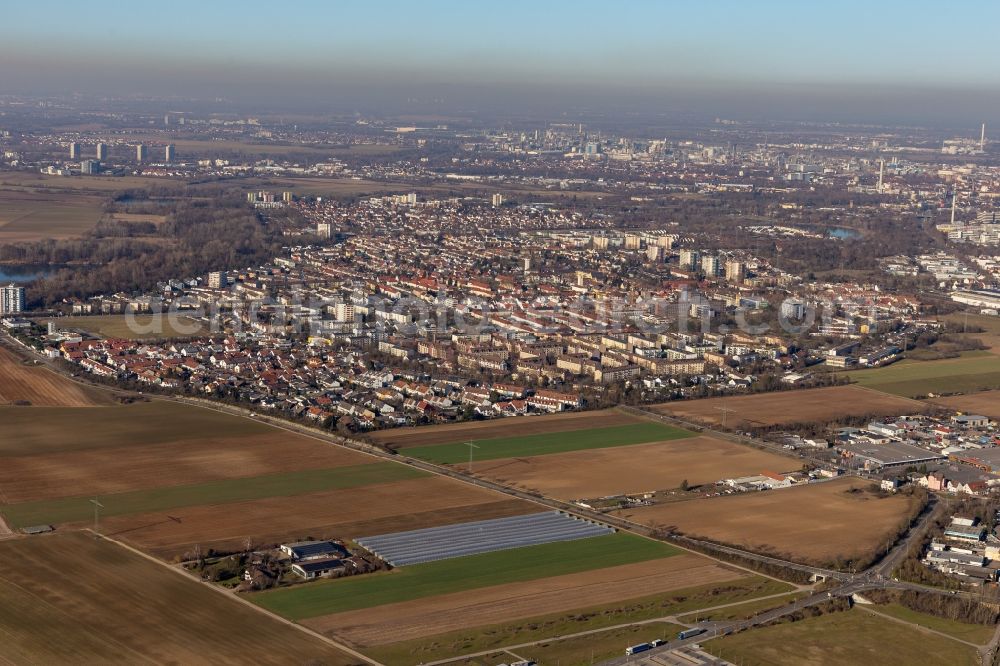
784	407
429	616
632	469
132	326
345	513
138	217
41	430
138	466
986	403
72	598
76	185
33	215
818	522
402	438
38	385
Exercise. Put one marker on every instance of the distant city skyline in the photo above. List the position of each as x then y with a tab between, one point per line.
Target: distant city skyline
879	58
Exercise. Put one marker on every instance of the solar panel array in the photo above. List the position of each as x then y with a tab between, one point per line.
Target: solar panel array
482	536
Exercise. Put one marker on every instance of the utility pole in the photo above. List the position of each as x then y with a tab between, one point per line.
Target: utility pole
97	516
725	412
471	447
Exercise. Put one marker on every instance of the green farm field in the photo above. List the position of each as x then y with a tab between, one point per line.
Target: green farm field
908	378
848	637
557	442
224	491
461	574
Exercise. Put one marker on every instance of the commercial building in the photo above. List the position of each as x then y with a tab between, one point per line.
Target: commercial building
981	298
90	167
11	299
887	454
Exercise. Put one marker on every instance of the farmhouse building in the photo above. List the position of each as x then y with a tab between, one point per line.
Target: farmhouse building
313	550
310	569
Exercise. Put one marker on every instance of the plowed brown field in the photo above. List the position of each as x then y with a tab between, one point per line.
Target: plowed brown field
633	469
805	406
140	466
986	403
355	512
816	523
40	386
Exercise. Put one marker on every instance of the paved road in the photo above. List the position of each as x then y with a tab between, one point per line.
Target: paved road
873	578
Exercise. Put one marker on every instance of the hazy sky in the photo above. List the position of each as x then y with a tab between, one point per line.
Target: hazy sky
800	52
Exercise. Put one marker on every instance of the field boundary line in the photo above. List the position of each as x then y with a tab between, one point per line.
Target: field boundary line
232	595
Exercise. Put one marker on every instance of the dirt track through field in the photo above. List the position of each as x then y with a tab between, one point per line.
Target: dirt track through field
505	427
39	386
634	469
363	511
502	603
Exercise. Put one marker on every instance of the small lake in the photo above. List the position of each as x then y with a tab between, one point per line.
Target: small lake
20	274
843	234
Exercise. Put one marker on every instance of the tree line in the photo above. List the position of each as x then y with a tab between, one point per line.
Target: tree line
198	236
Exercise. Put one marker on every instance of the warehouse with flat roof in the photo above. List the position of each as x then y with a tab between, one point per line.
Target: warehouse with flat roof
888	454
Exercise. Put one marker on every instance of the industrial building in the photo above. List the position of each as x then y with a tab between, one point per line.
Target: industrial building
483	536
886	454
